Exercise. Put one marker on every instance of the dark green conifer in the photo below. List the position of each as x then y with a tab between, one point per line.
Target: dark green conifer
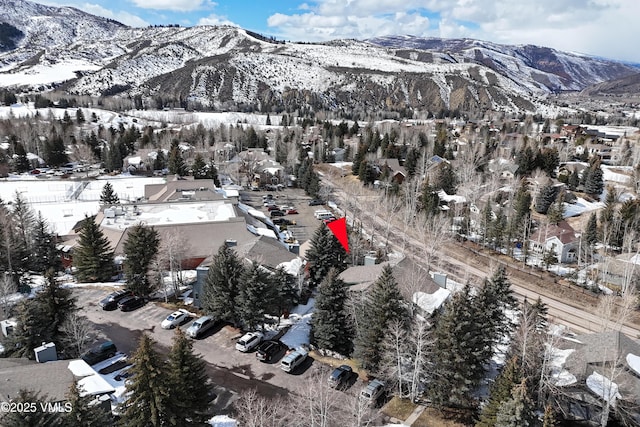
83	412
140	249
331	326
222	285
383	305
324	254
148	387
191	390
108	196
93	257
257	296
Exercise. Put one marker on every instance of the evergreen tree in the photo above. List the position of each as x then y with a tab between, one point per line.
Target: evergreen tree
191	390
331	327
37	418
383	304
324	254
574	180
199	169
546	197
429	199
591	232
20	160
147	388
140	249
23	221
93	257
80	116
176	162
446	178
517	411
495	299
286	289
40	319
594	183
555	213
500	392
83	412
55	152
44	245
222	285
257	296
160	161
108	197
459	352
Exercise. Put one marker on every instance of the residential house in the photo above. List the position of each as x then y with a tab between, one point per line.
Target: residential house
560	238
392	169
50	379
182	188
600	366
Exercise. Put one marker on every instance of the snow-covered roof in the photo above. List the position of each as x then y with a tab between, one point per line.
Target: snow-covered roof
94	385
634	362
173	214
603	387
431	302
80	368
222	421
292	267
451	198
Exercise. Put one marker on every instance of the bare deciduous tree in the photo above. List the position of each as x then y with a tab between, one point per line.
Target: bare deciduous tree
7	288
78	334
253	410
173	252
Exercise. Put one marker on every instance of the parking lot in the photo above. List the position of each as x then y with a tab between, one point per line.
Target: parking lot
231	370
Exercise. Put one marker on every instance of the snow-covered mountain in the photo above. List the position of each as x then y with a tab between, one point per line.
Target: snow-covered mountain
542	66
230	68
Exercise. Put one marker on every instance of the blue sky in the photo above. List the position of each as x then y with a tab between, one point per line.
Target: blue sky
605	28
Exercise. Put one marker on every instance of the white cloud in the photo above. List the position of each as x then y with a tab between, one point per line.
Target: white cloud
120	16
599	27
176	5
214	19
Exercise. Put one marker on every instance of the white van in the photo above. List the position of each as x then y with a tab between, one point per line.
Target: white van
322	215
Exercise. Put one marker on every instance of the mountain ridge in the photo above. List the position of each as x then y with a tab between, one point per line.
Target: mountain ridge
225	67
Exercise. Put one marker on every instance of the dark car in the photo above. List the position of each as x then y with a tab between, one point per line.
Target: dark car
340	376
100	353
267	350
283	221
110	302
130	303
276	213
316	202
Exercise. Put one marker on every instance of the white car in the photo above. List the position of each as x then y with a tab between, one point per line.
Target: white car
249	341
176	318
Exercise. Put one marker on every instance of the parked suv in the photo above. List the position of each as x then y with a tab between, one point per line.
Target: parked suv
110	302
268	350
372	392
200	326
340	376
130	303
99	353
292	360
249	341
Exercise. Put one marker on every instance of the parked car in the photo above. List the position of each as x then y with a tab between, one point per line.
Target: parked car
340	376
176	318
200	326
291	211
283	221
268	350
249	341
292	360
100	353
276	213
273	207
372	391
110	302
130	303
316	202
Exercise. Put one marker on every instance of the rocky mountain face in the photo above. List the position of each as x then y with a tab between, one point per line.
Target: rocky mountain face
230	68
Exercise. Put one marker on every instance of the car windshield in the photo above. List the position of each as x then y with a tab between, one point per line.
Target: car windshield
170	318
